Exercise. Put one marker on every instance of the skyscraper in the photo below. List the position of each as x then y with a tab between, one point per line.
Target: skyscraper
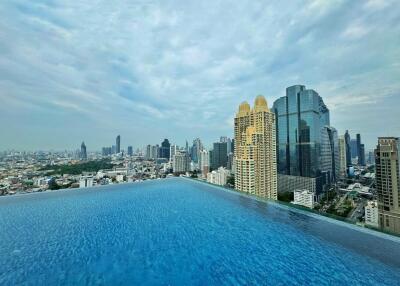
387	171
165	149
130	151
118	144
354	150
255	150
220	155
196	149
360	151
83	154
347	140
307	144
342	156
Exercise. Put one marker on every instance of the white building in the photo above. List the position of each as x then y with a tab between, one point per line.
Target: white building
172	151
119	178
181	162
371	214
304	198
204	162
218	177
86	182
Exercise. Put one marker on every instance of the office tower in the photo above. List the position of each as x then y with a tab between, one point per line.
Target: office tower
148	152
118	144
204	162
220	155
187	147
342	156
223	139
113	149
348	148
83	154
307	145
130	151
362	154
233	146
165	149
255	150
388	183
181	162
354	150
360	151
196	149
329	155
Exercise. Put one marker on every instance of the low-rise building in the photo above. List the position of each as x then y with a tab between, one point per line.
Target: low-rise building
218	177
371	214
304	198
86	182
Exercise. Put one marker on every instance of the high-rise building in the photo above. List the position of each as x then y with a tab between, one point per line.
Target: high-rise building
113	149
196	149
204	162
307	144
230	162
387	174
118	144
165	149
148	152
172	151
347	140
361	160
354	150
181	162
155	151
83	154
255	150
220	155
342	157
360	151
130	151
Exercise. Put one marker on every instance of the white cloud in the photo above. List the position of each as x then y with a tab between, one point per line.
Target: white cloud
170	65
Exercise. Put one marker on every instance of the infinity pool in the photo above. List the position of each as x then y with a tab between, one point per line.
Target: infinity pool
180	232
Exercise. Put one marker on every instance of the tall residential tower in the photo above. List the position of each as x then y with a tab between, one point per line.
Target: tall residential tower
388	183
255	150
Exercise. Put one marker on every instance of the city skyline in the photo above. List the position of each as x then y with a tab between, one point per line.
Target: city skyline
63	82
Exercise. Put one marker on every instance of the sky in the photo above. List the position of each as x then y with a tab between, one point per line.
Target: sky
73	71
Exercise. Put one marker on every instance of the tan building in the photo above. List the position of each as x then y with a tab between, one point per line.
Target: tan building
255	150
388	183
342	157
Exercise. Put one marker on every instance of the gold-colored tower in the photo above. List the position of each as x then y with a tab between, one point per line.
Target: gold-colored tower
255	150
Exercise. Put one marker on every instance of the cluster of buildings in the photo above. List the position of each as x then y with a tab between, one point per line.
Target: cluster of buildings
292	148
289	147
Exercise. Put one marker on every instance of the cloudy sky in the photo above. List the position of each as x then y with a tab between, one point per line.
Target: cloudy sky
178	69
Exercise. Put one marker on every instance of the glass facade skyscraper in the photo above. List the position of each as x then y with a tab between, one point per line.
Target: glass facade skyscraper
306	144
165	149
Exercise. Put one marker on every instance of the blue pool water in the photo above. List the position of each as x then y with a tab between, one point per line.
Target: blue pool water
179	232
